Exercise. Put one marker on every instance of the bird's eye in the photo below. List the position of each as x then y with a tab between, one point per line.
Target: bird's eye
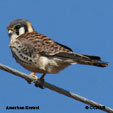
17	27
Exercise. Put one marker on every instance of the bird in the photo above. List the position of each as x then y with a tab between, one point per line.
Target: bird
40	54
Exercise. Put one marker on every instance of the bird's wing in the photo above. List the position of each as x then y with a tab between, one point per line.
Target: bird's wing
41	44
36	43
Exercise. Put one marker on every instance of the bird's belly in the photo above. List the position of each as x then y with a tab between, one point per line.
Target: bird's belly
51	65
45	65
40	64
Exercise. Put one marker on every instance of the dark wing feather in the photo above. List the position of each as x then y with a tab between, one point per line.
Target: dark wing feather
93	57
64	46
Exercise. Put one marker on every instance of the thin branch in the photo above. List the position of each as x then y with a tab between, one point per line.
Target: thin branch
57	89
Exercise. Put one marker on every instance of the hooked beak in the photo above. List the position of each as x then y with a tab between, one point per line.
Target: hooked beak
10	31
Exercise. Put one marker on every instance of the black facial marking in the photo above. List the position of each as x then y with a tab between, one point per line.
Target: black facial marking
17	27
26	29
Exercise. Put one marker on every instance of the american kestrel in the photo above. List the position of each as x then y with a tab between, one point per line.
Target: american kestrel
40	54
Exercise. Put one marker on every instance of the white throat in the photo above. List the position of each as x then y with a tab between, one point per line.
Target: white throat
13	36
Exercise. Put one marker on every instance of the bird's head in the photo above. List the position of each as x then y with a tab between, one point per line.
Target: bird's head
19	27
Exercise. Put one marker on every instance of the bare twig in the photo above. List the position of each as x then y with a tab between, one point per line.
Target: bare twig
57	89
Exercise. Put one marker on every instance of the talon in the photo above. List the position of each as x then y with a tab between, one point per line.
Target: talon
33	75
29	82
40	83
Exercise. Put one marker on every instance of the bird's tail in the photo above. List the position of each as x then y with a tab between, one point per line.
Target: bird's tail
90	60
83	59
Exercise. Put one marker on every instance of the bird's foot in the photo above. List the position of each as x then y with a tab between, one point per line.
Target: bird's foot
33	75
40	83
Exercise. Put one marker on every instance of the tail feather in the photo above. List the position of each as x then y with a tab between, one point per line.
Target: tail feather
92	60
93	63
83	59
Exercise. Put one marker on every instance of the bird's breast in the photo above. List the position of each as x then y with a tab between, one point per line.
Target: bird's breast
36	63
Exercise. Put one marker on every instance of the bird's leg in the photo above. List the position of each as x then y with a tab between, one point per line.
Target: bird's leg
41	81
42	77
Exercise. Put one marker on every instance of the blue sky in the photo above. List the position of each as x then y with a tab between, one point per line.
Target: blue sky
86	26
